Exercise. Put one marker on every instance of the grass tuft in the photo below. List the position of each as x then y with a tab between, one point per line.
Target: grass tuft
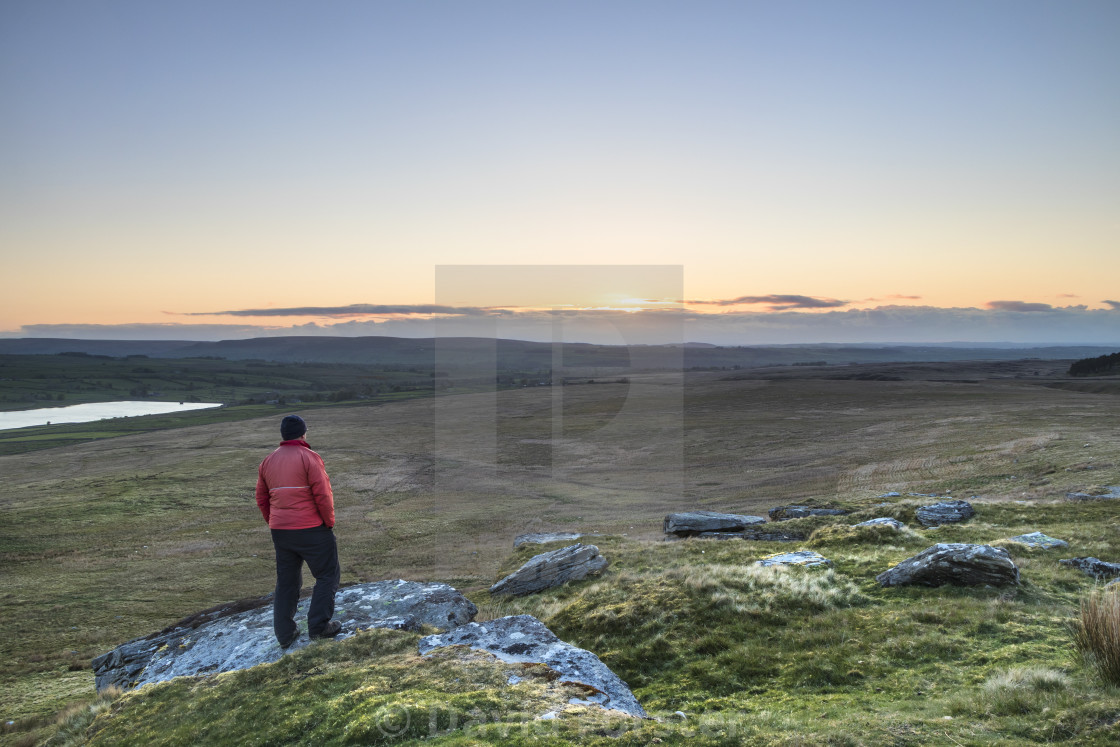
1096	633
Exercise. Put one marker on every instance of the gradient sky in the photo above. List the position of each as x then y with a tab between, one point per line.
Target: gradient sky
845	169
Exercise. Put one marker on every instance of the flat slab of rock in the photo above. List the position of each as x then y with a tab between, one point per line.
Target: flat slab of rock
234	637
1110	492
954	563
689	523
1038	539
524	638
800	557
756	534
549	569
1095	567
882	522
783	513
543	538
944	512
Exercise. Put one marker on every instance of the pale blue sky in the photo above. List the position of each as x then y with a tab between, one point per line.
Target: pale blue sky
203	156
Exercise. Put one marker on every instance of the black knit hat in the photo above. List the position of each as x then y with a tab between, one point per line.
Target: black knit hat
292	427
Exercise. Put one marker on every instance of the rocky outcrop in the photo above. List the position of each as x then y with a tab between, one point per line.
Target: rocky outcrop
691	523
523	638
552	569
1038	539
783	513
882	522
1095	567
543	538
944	512
806	558
954	563
1108	492
240	635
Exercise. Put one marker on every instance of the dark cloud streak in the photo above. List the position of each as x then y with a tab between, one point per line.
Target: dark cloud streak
1021	306
357	309
778	302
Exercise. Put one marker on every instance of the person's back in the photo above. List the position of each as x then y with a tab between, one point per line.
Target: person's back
296	487
295	497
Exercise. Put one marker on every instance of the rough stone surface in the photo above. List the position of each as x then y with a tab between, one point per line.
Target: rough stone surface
954	563
944	512
523	638
756	534
550	569
1095	567
800	557
239	636
882	522
690	523
1110	492
541	538
1038	539
782	513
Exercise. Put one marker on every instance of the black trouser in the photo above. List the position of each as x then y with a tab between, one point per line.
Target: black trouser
317	547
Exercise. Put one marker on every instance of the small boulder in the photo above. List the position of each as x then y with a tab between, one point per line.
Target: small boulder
543	538
550	569
882	522
800	557
240	635
1038	539
523	638
954	563
689	523
944	512
782	513
1095	567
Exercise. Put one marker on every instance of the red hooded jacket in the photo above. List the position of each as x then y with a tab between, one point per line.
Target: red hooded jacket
293	489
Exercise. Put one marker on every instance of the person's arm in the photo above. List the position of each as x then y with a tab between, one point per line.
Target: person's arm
262	494
321	491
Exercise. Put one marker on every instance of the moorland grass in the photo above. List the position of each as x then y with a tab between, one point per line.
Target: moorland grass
114	539
785	656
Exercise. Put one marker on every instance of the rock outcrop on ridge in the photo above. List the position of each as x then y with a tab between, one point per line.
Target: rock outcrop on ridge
524	638
541	538
240	635
572	563
944	512
884	521
692	523
1038	539
806	558
784	513
1095	567
954	563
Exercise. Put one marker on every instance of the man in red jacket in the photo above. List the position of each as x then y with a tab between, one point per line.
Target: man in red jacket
295	498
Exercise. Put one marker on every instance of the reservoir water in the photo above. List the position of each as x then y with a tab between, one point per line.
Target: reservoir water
94	411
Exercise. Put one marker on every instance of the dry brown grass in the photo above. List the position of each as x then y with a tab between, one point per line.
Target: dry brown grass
1097	632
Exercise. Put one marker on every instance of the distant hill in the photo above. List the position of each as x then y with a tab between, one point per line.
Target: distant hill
523	355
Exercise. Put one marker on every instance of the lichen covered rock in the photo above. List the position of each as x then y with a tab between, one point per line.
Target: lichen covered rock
549	569
954	563
690	523
523	638
240	635
944	512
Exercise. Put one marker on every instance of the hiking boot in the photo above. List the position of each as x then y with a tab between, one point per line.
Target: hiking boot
290	641
333	628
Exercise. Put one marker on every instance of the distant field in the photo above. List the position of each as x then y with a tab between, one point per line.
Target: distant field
112	539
